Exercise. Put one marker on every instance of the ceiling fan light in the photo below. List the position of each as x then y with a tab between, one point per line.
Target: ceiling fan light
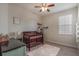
43	9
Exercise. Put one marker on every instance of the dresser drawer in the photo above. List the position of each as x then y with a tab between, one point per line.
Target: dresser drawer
32	40
32	44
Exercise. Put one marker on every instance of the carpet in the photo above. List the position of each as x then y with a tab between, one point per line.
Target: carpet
44	50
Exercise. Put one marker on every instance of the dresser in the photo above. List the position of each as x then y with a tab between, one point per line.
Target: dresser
32	39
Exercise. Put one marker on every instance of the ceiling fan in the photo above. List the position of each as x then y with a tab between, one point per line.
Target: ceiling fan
44	7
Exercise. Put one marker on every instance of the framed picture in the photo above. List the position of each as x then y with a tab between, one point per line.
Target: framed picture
16	20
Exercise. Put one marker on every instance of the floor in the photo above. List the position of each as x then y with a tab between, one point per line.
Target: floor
64	50
44	50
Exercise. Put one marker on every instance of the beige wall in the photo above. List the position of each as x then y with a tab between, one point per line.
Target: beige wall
52	34
28	20
3	18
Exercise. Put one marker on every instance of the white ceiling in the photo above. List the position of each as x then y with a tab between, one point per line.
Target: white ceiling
57	8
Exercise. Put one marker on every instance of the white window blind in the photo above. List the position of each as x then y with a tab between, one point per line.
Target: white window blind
65	24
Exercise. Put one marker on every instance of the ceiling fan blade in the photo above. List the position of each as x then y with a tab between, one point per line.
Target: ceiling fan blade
51	5
37	6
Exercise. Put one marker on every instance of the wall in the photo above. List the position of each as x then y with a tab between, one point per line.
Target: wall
77	31
3	18
28	20
52	34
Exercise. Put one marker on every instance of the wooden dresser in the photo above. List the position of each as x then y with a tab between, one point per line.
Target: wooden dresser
32	38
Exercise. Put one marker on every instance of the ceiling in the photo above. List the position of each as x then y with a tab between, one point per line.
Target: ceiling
57	8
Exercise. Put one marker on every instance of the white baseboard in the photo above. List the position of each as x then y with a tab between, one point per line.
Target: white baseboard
61	44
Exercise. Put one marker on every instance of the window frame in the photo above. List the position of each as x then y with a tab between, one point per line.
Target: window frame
65	29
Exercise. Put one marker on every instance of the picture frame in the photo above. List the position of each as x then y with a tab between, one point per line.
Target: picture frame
16	20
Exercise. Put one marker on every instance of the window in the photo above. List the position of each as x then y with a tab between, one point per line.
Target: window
65	24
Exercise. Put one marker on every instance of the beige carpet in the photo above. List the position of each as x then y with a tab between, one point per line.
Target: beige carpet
44	50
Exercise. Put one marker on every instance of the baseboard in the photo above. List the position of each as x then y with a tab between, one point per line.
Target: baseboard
60	44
